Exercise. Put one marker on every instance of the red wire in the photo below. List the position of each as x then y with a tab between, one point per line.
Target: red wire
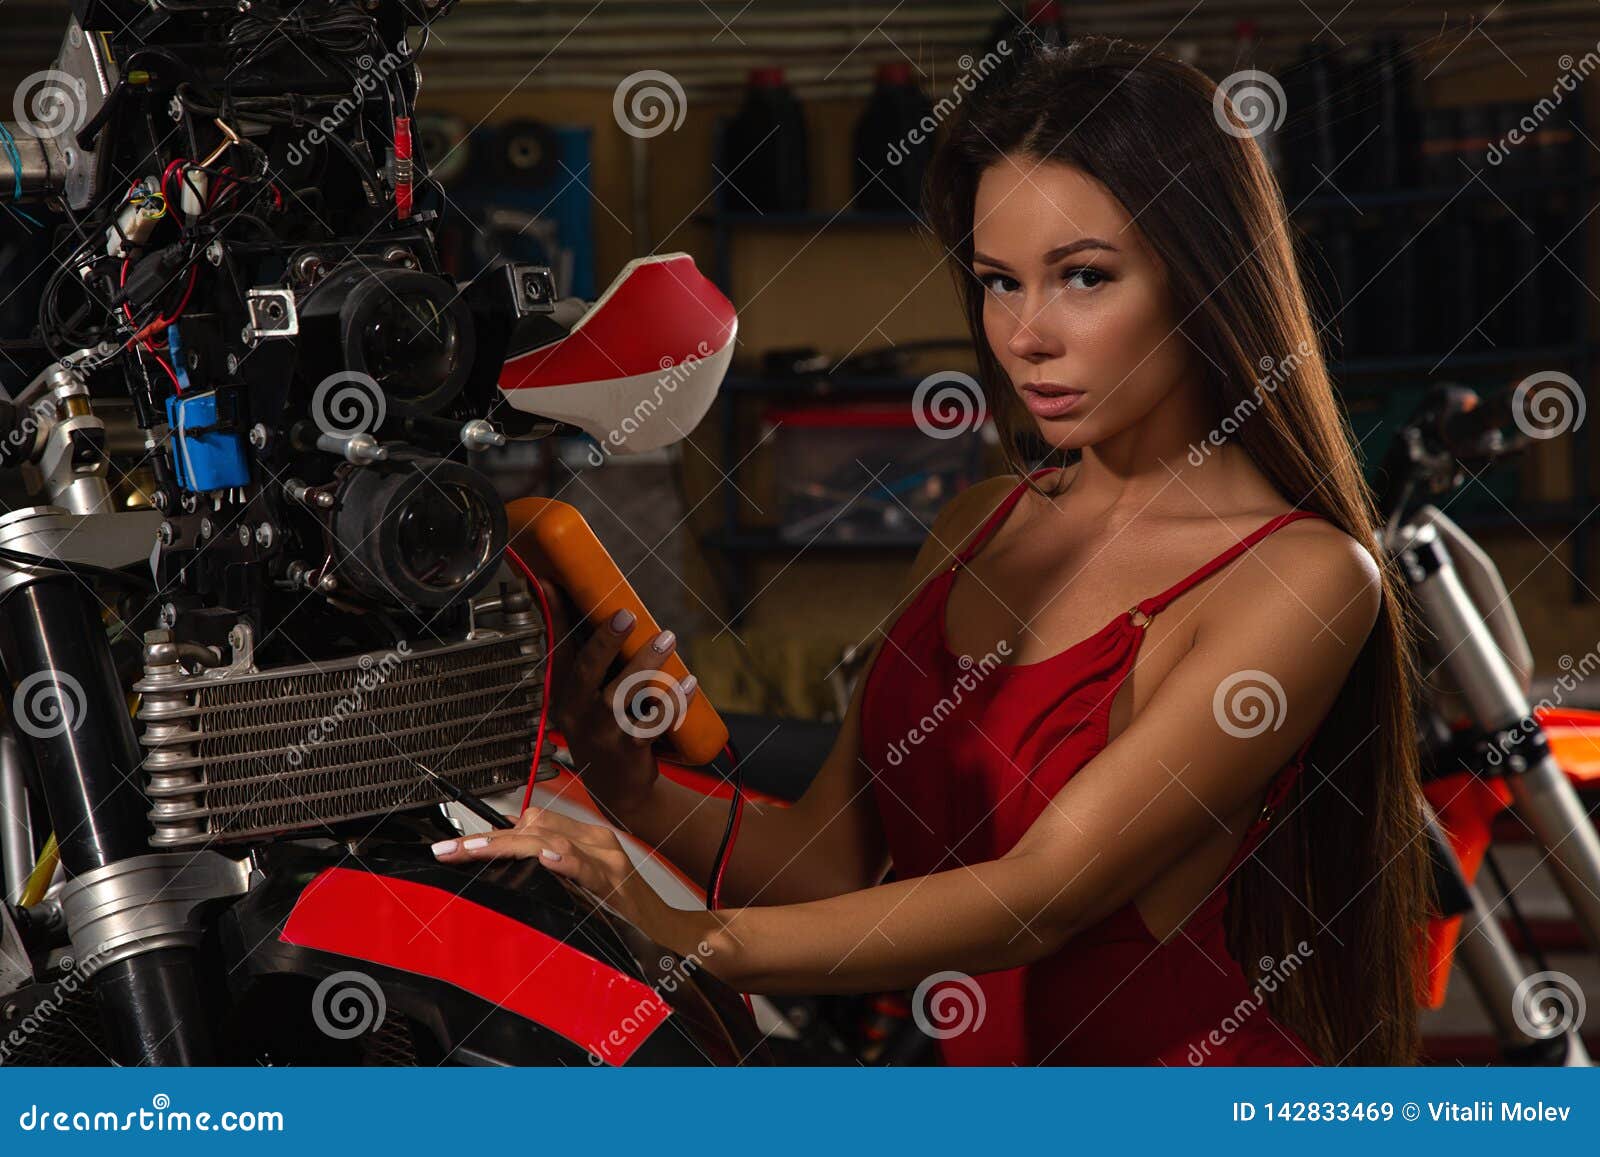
549	646
161	323
126	308
714	901
215	192
172	206
162	362
194	273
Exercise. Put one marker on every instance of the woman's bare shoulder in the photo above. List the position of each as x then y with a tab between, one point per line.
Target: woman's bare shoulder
1311	568
958	520
968	510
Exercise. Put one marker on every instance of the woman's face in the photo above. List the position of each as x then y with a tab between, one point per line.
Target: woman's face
1075	304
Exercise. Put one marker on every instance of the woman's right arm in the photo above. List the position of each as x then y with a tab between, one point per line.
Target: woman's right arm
831	840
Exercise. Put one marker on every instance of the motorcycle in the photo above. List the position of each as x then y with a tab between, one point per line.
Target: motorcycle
256	608
1484	747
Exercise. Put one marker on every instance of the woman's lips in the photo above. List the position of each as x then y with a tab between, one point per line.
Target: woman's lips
1050	400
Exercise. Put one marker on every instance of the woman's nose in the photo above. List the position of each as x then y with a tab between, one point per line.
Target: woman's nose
1033	339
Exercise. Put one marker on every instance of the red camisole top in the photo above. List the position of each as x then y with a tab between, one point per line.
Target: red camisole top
1113	994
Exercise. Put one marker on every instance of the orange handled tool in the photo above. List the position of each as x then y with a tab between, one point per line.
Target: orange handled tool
553	539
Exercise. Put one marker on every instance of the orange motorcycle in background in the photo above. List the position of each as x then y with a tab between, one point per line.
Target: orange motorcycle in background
1489	756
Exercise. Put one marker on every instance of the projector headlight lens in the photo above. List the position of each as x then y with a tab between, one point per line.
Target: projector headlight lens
421	533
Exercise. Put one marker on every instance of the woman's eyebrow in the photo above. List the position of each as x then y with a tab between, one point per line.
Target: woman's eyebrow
1056	254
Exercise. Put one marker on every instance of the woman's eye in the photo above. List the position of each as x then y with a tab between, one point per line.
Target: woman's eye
1092	275
997	282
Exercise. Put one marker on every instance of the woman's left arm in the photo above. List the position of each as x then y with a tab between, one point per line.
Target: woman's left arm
1288	632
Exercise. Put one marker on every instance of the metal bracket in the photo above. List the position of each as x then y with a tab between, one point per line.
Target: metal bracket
146	902
533	288
272	314
106	540
85	58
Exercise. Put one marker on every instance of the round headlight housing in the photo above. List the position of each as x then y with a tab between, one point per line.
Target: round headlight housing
419	533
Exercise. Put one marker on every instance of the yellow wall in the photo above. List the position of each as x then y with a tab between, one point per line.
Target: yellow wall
851	287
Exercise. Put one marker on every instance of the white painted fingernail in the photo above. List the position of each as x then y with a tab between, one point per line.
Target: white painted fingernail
549	855
663	642
444	847
688	685
479	842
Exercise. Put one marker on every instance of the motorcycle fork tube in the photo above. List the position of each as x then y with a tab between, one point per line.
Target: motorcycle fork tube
68	708
16	842
1491	965
1539	789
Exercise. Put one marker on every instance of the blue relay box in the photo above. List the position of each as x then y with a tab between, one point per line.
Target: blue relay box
207	458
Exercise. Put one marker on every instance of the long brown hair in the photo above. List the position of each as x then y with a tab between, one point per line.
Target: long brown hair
1145	125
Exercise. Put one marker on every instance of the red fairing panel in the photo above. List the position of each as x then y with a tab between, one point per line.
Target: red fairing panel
429	931
642	367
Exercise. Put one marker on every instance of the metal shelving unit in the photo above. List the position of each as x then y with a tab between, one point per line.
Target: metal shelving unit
736	541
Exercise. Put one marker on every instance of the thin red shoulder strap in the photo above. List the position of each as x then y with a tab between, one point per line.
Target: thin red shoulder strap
999	515
1156	603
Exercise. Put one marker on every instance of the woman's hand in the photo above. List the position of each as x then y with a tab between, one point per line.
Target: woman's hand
610	726
589	855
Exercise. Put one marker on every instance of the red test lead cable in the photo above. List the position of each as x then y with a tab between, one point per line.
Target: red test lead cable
549	648
402	167
730	834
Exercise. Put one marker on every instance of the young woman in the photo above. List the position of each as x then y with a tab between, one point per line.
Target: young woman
1138	747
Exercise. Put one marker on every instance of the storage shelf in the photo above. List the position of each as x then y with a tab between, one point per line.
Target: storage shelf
823	385
1428	194
818	387
1531	515
1359	377
759	540
1442	363
805	218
